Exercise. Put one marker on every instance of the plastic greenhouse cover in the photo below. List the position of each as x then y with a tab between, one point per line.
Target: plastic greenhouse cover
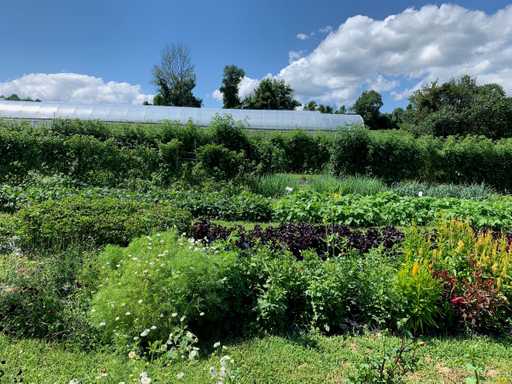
253	119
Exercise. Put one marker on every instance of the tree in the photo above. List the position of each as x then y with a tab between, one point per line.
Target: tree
368	106
461	107
271	94
341	110
325	109
311	106
230	85
175	78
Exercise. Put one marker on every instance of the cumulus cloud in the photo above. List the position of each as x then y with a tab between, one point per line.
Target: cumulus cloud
415	46
302	36
295	55
74	87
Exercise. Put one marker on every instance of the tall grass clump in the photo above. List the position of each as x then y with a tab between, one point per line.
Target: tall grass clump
471	191
282	183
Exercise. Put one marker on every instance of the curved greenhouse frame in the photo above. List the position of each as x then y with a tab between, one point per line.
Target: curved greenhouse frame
252	119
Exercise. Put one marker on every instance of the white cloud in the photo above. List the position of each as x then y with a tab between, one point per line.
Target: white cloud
302	36
326	29
74	87
247	86
416	45
217	95
295	55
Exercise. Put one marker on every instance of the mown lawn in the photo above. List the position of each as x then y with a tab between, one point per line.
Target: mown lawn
312	359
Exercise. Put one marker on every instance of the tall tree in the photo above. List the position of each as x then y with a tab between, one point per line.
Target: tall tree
342	110
311	106
368	106
271	94
175	78
230	86
461	107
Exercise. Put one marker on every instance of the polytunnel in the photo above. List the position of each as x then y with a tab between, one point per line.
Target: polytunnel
148	114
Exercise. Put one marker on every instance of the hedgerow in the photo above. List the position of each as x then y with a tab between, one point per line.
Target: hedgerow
108	155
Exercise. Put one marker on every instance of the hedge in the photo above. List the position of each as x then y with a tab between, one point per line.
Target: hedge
83	151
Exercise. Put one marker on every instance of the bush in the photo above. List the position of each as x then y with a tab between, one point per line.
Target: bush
218	162
8	233
35	296
171	156
95	221
473	268
351	153
154	282
228	133
111	154
305	152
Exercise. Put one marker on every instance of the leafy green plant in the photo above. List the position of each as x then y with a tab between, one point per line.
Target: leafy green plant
145	286
389	368
95	221
35	296
219	162
390	209
418	297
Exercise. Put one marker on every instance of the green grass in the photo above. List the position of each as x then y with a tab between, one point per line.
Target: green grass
276	360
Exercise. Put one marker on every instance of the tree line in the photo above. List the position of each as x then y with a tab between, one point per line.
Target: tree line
457	107
15	97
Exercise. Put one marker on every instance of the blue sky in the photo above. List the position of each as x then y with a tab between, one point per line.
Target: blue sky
120	41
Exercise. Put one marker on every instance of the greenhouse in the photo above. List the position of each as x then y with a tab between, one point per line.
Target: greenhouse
252	119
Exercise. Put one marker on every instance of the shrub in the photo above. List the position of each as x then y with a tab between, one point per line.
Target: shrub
154	282
226	132
305	152
34	296
473	267
95	221
216	161
8	233
171	155
351	153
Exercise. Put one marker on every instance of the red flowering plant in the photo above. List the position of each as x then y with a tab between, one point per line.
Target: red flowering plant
475	302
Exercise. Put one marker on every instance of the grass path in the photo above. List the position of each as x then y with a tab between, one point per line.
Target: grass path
275	360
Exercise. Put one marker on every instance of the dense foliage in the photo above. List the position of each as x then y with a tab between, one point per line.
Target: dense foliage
397	157
461	107
95	221
390	209
324	240
102	155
